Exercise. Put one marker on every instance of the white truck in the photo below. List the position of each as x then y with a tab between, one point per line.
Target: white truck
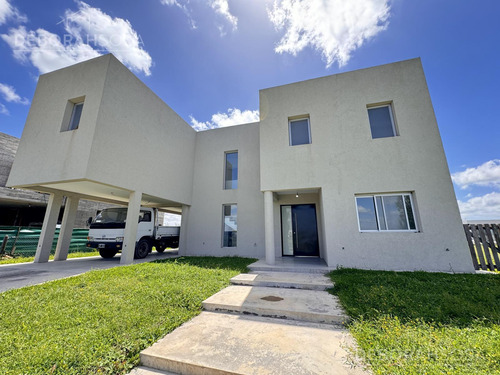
107	230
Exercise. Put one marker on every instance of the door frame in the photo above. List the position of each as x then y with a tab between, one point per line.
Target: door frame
317	231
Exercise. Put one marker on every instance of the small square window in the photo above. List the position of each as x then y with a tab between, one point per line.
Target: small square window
72	114
300	132
75	116
381	121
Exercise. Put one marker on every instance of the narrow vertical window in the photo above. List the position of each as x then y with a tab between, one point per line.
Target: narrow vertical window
230	225
75	116
299	131
231	170
381	121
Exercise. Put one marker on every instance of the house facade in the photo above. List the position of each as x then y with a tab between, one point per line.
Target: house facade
349	168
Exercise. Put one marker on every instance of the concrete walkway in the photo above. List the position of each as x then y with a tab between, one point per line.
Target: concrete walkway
18	275
267	323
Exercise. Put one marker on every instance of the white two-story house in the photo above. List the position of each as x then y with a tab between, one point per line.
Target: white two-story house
349	168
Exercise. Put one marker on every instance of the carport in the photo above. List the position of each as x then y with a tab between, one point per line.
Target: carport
91	190
94	131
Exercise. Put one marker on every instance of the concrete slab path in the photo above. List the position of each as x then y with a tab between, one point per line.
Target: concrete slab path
234	340
18	275
294	280
214	344
305	305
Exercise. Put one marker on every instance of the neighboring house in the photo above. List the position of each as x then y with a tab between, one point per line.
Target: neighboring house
25	207
348	167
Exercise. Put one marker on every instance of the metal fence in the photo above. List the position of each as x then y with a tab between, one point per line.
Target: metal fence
22	241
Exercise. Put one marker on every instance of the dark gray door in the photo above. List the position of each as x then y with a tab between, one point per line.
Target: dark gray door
299	230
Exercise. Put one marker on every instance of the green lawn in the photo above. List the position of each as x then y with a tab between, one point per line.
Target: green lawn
31	259
423	323
98	322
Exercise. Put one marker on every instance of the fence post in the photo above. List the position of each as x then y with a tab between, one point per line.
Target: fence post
4	244
13	248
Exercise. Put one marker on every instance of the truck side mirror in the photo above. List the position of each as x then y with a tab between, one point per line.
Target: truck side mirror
89	221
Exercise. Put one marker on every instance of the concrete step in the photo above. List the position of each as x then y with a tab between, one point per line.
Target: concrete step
141	370
216	344
298	266
304	305
291	280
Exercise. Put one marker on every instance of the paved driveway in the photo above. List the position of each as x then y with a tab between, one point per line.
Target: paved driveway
14	276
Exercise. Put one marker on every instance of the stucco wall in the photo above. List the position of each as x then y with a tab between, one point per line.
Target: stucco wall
140	143
46	154
343	160
204	235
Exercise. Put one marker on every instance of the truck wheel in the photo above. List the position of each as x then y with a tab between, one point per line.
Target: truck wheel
160	248
107	253
142	249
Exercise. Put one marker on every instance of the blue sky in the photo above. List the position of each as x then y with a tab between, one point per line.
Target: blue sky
207	59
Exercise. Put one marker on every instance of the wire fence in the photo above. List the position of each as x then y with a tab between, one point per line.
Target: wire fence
23	241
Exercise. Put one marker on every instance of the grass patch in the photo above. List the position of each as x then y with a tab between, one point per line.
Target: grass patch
98	322
423	323
21	259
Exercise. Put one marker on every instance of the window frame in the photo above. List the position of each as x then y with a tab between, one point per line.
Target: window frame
391	115
72	118
225	169
295	119
374	196
69	114
224	205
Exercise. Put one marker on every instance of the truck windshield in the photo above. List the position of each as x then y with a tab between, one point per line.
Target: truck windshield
111	215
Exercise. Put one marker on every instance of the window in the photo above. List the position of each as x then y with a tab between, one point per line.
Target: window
300	132
231	170
72	114
75	116
389	212
381	121
145	216
230	225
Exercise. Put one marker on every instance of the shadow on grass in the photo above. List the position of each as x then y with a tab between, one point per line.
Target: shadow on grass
445	299
226	263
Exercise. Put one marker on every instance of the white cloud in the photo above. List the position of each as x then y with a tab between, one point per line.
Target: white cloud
487	174
233	116
45	49
183	7
88	33
483	207
4	110
220	7
7	11
10	95
335	28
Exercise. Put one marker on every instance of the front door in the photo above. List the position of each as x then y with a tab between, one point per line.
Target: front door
299	230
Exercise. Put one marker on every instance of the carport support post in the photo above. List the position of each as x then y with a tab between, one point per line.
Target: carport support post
183	234
134	208
48	228
68	222
269	227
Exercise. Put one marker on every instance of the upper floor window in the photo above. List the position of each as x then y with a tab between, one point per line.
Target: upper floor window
72	114
299	131
231	170
382	121
387	212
